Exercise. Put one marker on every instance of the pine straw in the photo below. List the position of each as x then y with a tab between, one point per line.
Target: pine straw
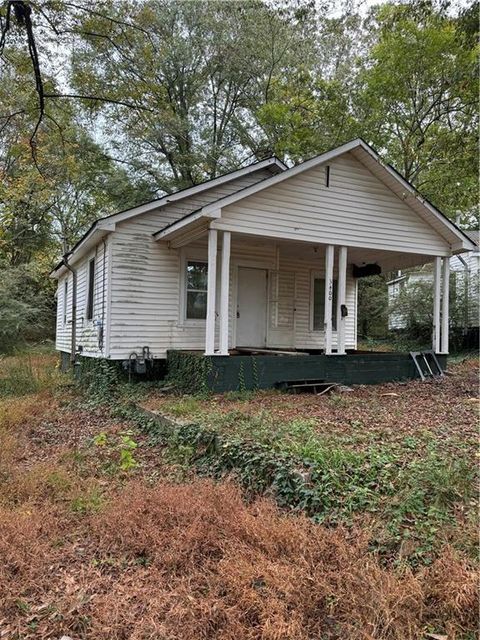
192	562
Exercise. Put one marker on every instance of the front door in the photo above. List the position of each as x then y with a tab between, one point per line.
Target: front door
252	307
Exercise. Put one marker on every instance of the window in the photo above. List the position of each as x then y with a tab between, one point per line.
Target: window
65	300
318	304
91	288
196	279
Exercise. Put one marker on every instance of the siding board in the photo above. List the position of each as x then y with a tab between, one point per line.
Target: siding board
356	209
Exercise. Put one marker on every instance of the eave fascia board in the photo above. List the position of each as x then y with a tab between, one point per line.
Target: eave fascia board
191	191
461	247
97	234
114	218
180	225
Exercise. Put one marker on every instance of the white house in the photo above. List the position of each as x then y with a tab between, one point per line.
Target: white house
265	257
465	269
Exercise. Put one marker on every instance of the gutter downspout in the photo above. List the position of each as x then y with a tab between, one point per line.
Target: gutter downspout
73	347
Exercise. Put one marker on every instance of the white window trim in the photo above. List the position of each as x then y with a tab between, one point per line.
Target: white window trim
87	287
321	276
65	302
188	255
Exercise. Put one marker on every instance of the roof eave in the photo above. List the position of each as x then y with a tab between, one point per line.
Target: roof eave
169	232
105	223
100	230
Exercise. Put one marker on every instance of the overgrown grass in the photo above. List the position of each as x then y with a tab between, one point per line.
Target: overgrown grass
418	491
89	553
29	372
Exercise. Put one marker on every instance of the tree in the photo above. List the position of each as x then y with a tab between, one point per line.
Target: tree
414	305
26	305
372	307
418	99
199	71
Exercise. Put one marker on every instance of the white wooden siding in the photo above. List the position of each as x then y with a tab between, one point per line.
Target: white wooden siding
87	331
155	319
146	279
356	210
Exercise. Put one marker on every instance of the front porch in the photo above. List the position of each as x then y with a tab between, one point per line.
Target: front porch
238	372
243	291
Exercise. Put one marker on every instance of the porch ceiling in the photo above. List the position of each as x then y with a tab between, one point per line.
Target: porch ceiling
196	233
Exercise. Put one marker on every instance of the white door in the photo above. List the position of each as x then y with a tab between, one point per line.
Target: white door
251	307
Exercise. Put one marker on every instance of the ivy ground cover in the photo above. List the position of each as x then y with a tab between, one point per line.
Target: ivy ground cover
107	530
399	458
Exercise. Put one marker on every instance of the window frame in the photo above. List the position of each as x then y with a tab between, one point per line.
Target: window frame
189	256
65	301
318	275
90	300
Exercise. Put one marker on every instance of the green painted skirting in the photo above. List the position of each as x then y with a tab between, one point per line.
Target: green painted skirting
234	373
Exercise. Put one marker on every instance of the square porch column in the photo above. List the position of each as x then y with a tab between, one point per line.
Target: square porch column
437	274
224	293
211	293
327	322
341	299
445	305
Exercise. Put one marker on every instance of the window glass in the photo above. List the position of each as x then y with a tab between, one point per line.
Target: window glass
319	304
196	307
65	301
91	287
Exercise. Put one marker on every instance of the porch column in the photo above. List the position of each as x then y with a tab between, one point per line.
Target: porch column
341	299
211	293
327	322
224	293
437	273
445	304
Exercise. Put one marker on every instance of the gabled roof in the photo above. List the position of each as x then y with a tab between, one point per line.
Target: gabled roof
105	225
455	237
474	236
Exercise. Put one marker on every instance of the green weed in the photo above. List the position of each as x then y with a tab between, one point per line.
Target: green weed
89	502
184	406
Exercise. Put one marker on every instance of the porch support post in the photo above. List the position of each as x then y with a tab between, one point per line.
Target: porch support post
437	272
224	293
211	293
341	299
445	304
327	323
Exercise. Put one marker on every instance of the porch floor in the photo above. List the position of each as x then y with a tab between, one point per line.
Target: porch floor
240	371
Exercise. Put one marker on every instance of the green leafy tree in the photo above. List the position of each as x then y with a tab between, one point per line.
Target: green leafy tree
197	73
26	306
418	99
372	307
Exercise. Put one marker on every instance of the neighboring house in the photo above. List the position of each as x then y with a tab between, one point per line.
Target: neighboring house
465	270
293	243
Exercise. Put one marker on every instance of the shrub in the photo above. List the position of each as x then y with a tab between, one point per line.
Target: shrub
26	306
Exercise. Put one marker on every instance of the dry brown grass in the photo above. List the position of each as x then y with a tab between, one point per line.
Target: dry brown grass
186	561
193	561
